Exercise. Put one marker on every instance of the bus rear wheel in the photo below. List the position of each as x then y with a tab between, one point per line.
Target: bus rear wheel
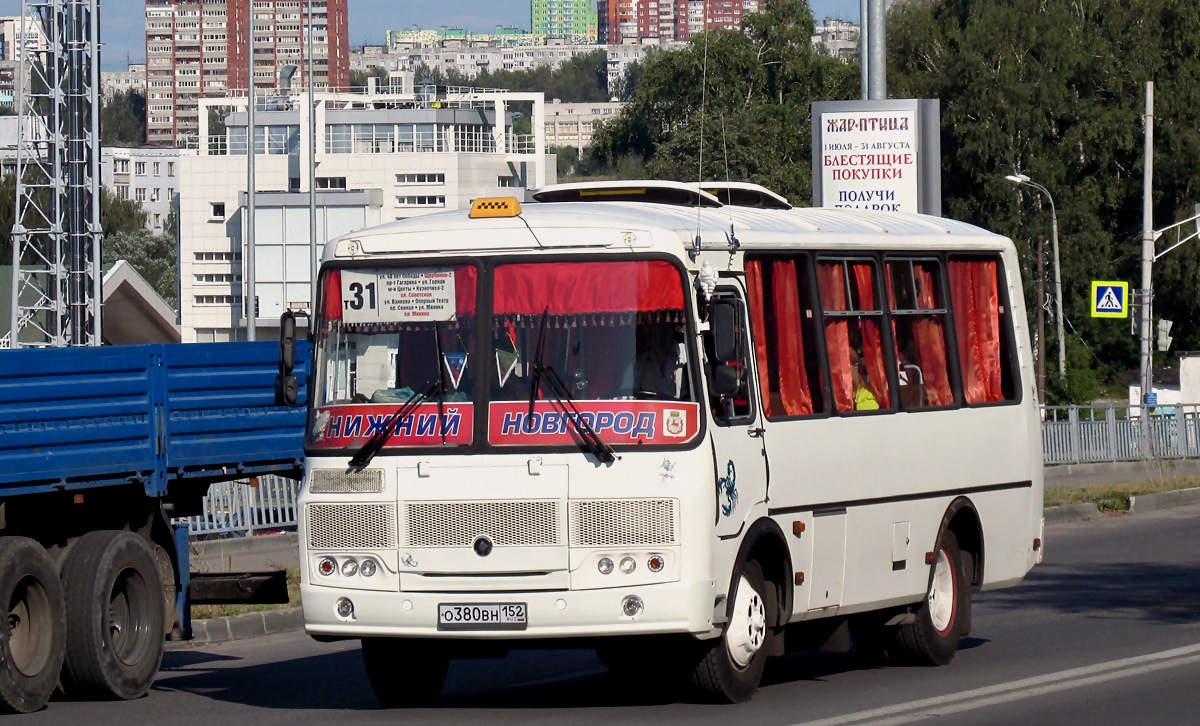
32	632
404	672
932	639
732	666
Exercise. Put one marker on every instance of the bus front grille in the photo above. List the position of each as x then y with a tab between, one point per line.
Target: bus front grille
623	523
525	523
352	526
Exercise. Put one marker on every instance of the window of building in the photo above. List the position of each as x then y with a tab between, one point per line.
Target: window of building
157	167
506	182
421	201
170	168
123	191
139	168
154	194
217	210
139	194
331	182
420	178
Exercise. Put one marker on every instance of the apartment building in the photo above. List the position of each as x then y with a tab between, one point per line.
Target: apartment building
622	21
379	157
131	79
572	124
18	37
574	21
199	49
148	175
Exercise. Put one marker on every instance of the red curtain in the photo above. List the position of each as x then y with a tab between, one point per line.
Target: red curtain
976	296
872	336
758	323
587	287
931	343
837	334
793	377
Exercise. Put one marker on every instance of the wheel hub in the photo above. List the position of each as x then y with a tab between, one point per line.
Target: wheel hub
941	594
748	627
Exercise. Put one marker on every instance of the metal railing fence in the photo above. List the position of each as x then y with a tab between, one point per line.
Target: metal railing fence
1096	434
237	509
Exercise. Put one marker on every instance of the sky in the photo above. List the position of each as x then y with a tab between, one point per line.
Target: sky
123	22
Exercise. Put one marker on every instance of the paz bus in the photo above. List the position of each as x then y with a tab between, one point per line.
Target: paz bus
686	425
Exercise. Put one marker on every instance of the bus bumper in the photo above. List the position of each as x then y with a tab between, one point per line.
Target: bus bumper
676	607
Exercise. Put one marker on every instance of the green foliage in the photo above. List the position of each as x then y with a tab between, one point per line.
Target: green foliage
358	79
123	119
118	216
567	159
1056	91
153	256
730	105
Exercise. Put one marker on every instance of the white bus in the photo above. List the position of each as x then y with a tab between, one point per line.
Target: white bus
683	432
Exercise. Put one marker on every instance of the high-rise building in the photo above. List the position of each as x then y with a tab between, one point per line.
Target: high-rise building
572	20
201	49
623	21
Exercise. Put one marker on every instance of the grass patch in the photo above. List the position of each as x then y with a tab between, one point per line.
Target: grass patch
204	612
1113	497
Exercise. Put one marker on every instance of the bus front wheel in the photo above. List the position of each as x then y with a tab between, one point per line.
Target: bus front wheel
732	666
932	639
404	672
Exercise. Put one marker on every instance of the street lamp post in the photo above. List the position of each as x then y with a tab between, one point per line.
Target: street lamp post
1058	313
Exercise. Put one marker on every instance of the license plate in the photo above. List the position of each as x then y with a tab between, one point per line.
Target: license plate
482	616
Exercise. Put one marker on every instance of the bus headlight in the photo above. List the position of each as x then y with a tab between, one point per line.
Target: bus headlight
605	566
349	567
656	563
327	566
628	565
367	568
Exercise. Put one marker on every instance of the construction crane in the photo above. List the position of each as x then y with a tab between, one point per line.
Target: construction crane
56	231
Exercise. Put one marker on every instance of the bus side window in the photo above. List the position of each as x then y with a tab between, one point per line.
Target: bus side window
725	349
983	328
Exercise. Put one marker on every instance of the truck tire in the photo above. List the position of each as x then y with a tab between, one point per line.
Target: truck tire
731	666
33	628
114	616
404	672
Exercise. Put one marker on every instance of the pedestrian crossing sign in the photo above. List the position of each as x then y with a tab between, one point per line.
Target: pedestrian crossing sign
1110	299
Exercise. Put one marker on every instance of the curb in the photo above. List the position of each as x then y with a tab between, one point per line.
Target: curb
1070	513
242	627
1163	500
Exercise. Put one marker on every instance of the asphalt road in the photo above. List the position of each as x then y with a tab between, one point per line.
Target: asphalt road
1106	631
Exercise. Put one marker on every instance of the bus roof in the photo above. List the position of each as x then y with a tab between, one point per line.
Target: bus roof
603	223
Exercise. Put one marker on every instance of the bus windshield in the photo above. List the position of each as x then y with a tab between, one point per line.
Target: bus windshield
602	343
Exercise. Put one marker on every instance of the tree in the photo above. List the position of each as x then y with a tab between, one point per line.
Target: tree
153	256
360	79
1068	114
738	100
123	119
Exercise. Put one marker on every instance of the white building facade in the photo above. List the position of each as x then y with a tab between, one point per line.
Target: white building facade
572	124
149	176
379	158
131	79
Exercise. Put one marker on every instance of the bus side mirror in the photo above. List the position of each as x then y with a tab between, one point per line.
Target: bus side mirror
726	381
726	331
287	388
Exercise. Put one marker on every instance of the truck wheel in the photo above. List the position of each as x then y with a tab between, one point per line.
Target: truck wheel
732	665
404	672
114	616
933	638
33	627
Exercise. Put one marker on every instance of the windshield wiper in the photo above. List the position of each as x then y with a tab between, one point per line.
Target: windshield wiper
377	440
559	394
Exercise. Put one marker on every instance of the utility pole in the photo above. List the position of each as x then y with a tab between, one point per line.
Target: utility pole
1147	264
1041	319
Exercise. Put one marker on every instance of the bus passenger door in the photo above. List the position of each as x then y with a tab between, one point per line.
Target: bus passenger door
738	455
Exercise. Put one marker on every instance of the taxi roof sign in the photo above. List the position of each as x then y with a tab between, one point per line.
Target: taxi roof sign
1110	299
488	207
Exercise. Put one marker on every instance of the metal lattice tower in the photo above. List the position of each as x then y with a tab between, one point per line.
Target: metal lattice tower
56	233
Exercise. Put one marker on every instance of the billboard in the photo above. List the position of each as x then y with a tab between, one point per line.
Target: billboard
877	155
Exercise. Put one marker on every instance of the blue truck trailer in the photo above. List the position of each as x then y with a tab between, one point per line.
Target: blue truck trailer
100	448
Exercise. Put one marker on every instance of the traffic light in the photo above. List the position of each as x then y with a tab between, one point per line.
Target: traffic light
1164	334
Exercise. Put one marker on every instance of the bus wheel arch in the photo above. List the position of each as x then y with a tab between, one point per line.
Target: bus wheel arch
764	542
962	519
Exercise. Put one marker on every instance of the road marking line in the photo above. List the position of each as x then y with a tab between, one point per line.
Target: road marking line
1020	689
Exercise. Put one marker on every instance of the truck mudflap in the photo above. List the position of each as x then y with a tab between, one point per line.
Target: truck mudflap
231	588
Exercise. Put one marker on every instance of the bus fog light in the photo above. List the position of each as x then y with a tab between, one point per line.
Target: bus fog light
628	565
605	566
632	605
349	568
327	566
345	608
656	563
368	568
